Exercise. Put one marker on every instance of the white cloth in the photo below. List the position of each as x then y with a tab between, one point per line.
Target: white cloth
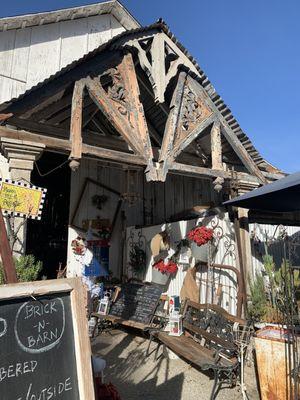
98	364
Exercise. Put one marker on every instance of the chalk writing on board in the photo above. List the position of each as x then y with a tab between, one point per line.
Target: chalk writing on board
17	369
3	327
36	317
137	302
48	392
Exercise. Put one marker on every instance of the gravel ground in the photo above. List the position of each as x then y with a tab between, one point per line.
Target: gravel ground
138	377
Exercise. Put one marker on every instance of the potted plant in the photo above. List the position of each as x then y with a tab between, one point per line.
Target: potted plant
200	237
27	267
163	270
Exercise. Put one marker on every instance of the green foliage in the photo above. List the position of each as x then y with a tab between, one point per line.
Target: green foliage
269	264
27	267
137	260
258	307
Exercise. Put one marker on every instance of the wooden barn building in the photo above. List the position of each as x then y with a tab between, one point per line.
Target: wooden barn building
124	129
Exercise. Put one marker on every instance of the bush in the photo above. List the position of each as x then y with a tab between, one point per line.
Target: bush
257	309
27	267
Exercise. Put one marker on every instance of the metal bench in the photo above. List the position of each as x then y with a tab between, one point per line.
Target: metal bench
208	341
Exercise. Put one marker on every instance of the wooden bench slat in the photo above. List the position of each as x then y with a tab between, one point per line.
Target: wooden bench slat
217	308
210	336
192	351
118	320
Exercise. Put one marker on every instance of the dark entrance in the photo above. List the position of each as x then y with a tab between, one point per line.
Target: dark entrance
47	238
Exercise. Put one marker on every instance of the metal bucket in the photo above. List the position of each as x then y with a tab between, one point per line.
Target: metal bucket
274	363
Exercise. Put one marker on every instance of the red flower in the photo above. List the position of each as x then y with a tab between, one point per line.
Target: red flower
200	235
169	268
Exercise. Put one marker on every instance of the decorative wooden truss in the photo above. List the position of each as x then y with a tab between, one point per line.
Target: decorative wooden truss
110	84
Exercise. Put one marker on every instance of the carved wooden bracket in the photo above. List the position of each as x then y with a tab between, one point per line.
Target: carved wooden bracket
189	116
119	101
160	60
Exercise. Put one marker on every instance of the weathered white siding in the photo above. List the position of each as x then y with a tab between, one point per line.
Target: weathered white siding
157	203
30	55
266	234
178	231
226	254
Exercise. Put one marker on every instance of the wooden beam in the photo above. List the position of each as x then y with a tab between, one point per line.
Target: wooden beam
4	117
47	112
10	274
43	104
191	170
92	138
169	134
158	67
121	105
120	123
241	259
65	146
76	121
229	135
189	116
195	133
216	147
241	152
246	252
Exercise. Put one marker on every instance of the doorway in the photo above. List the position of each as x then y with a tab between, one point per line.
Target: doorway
47	239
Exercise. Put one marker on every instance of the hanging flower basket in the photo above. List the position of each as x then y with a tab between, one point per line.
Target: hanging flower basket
162	272
200	235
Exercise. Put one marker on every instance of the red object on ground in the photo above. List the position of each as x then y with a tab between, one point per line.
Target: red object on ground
106	391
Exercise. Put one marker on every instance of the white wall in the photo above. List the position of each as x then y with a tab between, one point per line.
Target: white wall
269	233
178	231
30	55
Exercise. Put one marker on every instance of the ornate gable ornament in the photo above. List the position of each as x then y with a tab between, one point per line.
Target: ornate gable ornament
160	59
189	115
119	101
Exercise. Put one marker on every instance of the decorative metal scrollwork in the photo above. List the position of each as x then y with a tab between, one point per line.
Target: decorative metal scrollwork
137	253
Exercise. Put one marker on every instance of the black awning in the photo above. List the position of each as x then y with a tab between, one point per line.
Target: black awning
280	196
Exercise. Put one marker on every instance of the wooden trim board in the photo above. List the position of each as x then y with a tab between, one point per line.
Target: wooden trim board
80	328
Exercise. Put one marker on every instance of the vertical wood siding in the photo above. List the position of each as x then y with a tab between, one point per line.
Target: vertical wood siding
30	55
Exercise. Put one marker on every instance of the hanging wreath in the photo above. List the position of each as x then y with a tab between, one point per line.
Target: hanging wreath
166	268
201	235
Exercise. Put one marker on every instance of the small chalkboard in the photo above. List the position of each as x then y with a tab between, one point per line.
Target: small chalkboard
137	302
44	345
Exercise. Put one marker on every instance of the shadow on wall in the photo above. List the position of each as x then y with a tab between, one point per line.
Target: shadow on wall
269	240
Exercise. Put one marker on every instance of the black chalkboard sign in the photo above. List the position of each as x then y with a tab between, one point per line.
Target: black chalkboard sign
137	302
38	359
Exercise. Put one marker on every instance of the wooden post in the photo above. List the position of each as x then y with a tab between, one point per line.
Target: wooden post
10	274
237	230
216	147
76	125
245	246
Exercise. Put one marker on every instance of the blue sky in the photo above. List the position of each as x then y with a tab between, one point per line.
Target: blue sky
250	50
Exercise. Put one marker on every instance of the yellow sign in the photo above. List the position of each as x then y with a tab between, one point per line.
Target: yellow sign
21	199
